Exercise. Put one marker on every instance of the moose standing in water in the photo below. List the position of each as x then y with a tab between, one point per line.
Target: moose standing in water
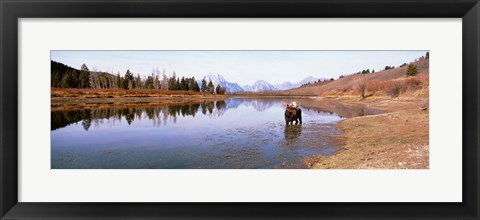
293	113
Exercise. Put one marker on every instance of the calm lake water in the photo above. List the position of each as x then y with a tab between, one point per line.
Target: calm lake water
240	133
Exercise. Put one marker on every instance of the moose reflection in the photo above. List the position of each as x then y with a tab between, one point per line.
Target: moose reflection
292	133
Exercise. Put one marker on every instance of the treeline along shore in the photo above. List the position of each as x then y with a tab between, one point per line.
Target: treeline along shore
63	76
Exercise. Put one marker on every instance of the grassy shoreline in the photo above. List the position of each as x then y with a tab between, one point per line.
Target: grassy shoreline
77	99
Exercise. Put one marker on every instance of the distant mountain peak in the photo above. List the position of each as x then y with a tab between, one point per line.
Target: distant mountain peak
215	76
290	85
260	85
218	79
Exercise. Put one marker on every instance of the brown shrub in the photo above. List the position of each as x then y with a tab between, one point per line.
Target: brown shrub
360	87
375	86
393	89
413	83
396	87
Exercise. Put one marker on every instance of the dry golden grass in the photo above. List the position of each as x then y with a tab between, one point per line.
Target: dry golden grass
127	103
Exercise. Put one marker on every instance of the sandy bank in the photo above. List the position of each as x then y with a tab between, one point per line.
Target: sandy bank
396	139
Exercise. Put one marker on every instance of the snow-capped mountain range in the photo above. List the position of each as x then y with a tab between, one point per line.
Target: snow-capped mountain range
260	85
218	79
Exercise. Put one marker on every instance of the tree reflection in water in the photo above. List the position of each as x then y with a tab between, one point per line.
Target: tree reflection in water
214	109
155	114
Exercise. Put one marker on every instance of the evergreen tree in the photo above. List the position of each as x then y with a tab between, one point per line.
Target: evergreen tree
138	81
204	87
149	82
56	79
66	80
119	81
129	79
412	70
123	83
194	85
178	86
220	90
184	83
211	88
171	82
191	84
84	67
427	56
83	79
389	67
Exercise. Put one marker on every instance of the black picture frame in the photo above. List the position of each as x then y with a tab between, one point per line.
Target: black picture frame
11	11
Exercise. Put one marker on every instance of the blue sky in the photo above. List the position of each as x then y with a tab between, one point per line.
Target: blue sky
243	67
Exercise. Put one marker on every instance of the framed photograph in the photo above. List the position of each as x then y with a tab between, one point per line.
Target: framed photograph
228	109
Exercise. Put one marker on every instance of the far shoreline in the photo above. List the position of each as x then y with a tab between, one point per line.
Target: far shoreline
75	99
